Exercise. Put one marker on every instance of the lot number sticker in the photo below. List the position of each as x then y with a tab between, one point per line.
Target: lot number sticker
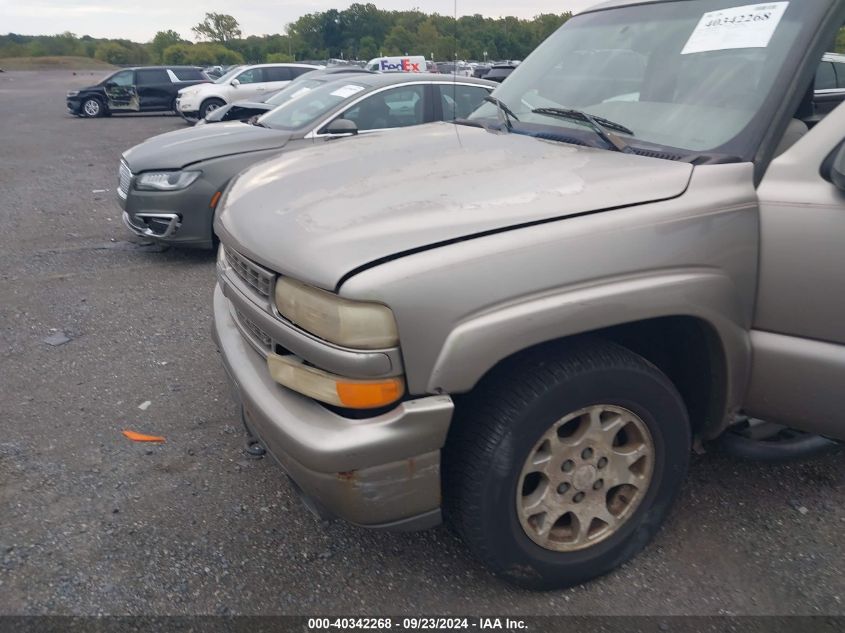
751	26
347	91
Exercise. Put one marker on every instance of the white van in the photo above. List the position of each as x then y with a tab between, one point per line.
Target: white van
407	64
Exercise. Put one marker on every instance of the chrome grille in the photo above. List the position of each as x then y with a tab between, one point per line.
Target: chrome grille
124	180
255	276
259	336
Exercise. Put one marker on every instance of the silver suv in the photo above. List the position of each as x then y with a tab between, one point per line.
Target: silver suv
523	321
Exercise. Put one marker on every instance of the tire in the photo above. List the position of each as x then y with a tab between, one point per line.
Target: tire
173	107
92	108
512	414
208	105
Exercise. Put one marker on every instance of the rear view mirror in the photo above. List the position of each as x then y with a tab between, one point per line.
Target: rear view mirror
837	168
342	127
235	83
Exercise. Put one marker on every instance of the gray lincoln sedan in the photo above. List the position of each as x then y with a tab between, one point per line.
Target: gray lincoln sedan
170	184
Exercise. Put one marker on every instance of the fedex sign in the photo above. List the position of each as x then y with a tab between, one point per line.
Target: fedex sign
405	65
398	64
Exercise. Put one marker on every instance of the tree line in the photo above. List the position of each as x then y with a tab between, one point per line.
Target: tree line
362	31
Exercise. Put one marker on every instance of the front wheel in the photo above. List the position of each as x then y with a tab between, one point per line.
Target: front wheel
210	105
566	464
92	108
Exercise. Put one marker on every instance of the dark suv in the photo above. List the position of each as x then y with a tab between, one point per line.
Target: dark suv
142	89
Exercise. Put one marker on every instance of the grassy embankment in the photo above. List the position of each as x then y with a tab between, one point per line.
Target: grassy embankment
53	63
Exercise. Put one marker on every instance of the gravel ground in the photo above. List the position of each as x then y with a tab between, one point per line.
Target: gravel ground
91	523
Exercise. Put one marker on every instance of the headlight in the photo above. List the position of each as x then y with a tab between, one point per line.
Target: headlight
166	180
72	93
354	324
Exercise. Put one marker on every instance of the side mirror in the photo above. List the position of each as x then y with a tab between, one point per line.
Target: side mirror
837	168
235	83
342	127
111	84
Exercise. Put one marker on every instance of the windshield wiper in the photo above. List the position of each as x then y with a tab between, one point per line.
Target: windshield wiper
505	113
600	126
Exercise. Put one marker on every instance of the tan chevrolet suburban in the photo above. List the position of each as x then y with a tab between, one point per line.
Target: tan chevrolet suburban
522	322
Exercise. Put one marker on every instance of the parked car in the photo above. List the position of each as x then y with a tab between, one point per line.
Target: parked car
481	70
214	72
170	184
500	72
141	89
243	110
238	84
529	319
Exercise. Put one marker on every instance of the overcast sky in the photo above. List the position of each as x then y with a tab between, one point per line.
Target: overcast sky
139	21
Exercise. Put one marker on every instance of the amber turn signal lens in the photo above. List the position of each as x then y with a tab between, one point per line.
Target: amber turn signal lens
360	395
214	200
331	389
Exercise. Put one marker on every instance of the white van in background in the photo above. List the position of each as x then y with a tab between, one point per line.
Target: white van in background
406	64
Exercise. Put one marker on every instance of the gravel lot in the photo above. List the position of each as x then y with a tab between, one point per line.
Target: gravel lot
92	523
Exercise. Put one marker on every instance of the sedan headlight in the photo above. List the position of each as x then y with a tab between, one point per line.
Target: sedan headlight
72	93
166	180
355	324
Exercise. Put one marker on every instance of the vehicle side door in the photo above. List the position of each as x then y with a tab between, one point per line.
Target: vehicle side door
276	78
398	107
121	94
798	335
155	88
457	101
251	84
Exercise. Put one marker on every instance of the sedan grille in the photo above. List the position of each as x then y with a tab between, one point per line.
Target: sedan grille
258	278
124	180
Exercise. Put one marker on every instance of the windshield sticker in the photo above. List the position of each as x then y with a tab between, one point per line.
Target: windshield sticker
751	26
347	91
300	92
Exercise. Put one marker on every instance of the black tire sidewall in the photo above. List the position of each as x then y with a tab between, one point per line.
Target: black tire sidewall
660	408
204	107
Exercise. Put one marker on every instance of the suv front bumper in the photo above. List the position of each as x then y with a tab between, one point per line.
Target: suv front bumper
381	472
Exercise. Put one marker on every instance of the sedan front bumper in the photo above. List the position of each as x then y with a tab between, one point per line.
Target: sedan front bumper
382	472
180	218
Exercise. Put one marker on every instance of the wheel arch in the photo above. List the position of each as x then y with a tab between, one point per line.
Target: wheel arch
701	345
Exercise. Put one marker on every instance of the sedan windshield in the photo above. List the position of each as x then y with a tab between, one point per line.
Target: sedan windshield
304	110
695	76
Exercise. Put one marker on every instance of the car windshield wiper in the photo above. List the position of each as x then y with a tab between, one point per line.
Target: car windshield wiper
600	126
505	113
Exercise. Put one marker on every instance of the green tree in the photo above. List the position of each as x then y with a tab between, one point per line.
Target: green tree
176	54
279	58
218	27
399	41
208	53
161	41
367	48
112	53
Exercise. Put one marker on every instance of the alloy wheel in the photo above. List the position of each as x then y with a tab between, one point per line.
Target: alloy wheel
585	478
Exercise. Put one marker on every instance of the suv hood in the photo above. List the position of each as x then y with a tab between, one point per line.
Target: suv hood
175	150
320	213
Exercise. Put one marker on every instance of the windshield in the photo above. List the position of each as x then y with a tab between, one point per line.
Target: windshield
693	76
293	90
307	108
227	77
